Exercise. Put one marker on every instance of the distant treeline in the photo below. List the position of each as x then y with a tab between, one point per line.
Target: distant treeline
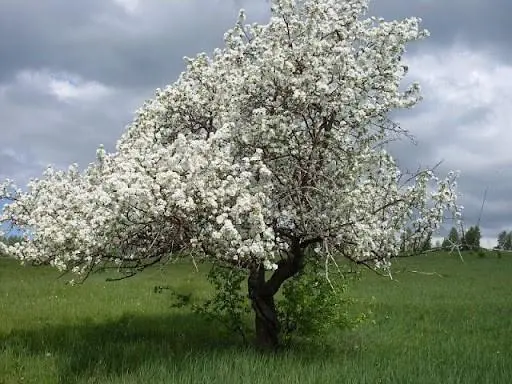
505	241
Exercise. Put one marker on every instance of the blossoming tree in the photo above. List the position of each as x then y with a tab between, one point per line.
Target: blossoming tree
272	147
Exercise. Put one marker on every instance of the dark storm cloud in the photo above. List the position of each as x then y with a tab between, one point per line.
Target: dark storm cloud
481	24
98	40
35	33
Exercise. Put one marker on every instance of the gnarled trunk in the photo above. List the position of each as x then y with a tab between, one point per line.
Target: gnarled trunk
262	293
265	311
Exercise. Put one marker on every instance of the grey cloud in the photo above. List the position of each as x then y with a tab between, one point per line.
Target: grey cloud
481	24
99	41
33	33
56	135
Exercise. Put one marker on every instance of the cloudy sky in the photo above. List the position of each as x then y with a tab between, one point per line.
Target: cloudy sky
73	72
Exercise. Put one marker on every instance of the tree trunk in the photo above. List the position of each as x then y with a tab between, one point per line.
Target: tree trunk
265	311
261	294
267	323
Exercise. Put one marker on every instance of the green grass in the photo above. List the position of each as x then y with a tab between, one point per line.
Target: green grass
453	328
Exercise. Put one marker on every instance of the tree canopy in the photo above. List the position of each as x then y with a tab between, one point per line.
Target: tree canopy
273	145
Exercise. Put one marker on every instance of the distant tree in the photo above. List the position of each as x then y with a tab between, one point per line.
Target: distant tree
405	240
409	243
471	240
502	238
508	242
453	236
427	244
452	239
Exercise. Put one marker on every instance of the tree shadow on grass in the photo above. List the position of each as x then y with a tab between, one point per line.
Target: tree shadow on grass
93	350
119	346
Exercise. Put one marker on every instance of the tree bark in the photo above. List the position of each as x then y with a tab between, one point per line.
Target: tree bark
262	292
265	311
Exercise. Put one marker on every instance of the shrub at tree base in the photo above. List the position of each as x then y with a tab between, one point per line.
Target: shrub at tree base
272	147
311	305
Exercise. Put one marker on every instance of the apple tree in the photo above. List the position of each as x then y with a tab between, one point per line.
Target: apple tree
272	148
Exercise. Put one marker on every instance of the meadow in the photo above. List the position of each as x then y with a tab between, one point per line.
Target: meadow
438	321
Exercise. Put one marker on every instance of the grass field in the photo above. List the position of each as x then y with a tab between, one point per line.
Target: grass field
455	327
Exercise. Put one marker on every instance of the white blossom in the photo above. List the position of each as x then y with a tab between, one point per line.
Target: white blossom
275	138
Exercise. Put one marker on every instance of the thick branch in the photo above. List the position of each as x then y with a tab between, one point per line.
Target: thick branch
286	268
